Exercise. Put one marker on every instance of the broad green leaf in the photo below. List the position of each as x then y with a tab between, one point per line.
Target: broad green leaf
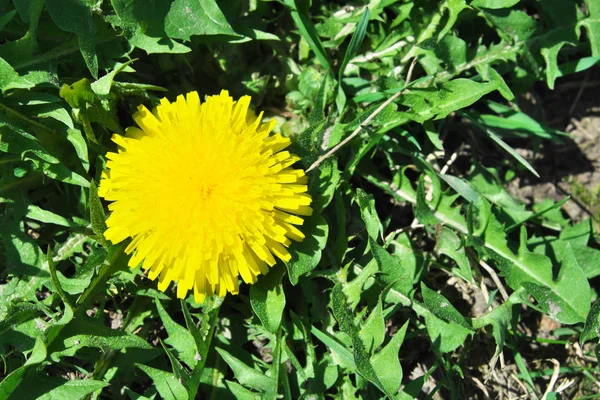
42	387
442	308
180	339
567	298
75	16
387	364
392	269
144	26
372	331
169	387
36	213
196	17
10	79
591	329
494	4
86	332
268	299
445	336
12	380
248	376
102	86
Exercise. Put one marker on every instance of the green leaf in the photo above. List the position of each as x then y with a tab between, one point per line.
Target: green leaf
307	254
372	331
351	51
54	279
38	214
102	86
169	387
10	79
591	329
144	26
179	338
86	332
366	203
247	376
448	243
12	380
75	16
445	336
346	322
196	17
267	299
422	211
494	4
387	364
42	387
97	216
335	346
393	271
442	308
307	30
567	299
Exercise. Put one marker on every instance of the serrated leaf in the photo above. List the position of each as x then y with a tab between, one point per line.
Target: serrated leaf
179	338
267	299
591	329
442	308
12	380
87	332
42	387
346	323
387	364
422	211
445	336
248	376
102	86
75	16
10	79
366	203
196	17
448	243
567	299
392	269
372	331
144	26
165	382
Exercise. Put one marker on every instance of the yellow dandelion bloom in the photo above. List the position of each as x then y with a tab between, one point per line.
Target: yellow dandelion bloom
205	194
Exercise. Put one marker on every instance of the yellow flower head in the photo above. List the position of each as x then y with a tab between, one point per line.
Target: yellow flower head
205	194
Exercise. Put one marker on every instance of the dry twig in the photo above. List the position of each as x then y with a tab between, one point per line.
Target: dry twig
495	278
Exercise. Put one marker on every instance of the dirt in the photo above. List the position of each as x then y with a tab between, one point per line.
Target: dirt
573	167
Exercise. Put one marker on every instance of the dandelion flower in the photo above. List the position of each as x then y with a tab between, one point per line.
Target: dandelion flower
205	194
